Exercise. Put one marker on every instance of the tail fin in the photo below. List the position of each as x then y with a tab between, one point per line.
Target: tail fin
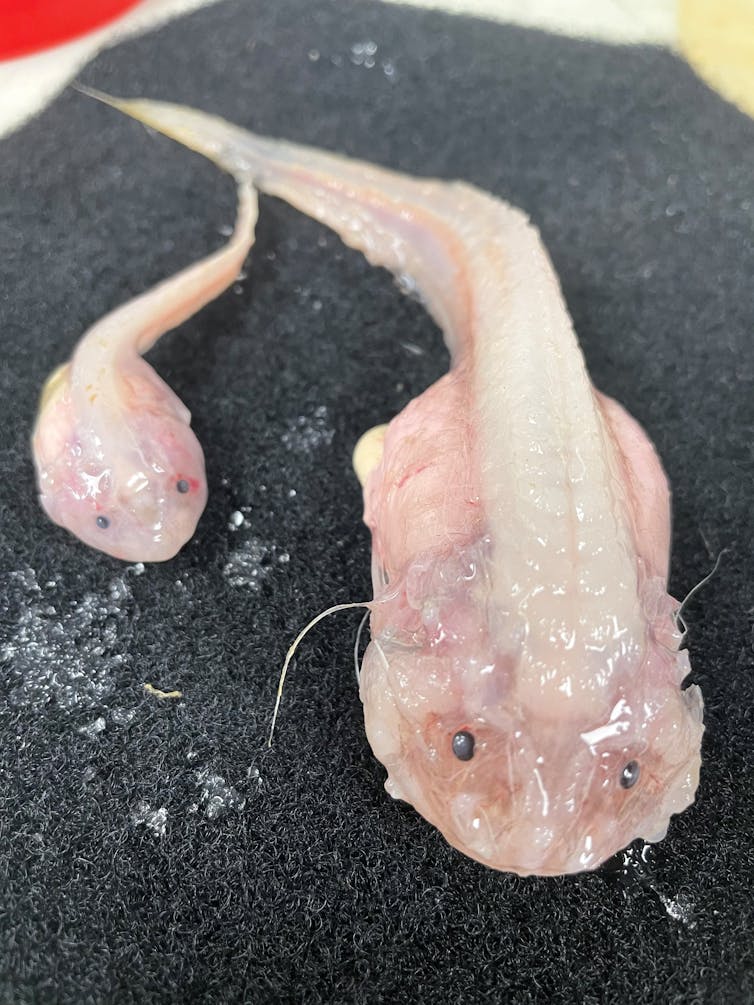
405	224
207	134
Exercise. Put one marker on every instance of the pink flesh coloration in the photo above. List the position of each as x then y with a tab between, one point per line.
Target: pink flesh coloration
523	682
117	462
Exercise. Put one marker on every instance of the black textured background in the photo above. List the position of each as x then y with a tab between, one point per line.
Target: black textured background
291	876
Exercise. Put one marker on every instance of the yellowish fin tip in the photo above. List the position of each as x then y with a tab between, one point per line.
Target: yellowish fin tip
52	385
367	453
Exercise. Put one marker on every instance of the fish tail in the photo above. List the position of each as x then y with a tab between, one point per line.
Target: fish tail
228	146
404	224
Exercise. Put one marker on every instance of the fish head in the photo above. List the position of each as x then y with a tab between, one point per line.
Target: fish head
129	481
527	786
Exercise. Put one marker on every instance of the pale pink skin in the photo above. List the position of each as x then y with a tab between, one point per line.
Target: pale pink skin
521	532
117	462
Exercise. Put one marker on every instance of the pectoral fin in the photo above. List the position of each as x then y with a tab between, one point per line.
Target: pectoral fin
367	453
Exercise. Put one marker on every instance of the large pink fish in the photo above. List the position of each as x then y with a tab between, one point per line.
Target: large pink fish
523	682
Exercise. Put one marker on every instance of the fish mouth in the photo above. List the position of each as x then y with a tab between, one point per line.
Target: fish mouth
507	841
476	837
497	839
680	794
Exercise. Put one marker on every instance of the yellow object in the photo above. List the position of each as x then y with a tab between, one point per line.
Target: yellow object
717	38
158	693
52	385
367	453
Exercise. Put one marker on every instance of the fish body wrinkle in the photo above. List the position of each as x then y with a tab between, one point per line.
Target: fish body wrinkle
117	462
523	682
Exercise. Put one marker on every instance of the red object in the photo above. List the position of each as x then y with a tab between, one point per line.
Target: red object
29	25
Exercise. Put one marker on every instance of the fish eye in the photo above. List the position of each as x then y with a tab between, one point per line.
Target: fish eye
463	745
182	486
103	522
630	775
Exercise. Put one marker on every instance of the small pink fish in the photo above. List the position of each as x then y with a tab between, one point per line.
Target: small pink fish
117	462
523	682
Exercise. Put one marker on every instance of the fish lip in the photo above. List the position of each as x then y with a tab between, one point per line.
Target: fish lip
670	806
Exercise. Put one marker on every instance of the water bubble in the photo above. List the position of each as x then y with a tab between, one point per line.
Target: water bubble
92	729
216	795
388	69
305	433
412	348
363	53
156	820
66	654
122	716
248	565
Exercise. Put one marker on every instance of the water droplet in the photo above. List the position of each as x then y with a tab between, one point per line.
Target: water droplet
155	820
306	433
122	716
412	348
216	795
92	729
66	652
249	565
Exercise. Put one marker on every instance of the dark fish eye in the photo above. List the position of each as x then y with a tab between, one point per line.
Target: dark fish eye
463	745
182	486
103	522
630	774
